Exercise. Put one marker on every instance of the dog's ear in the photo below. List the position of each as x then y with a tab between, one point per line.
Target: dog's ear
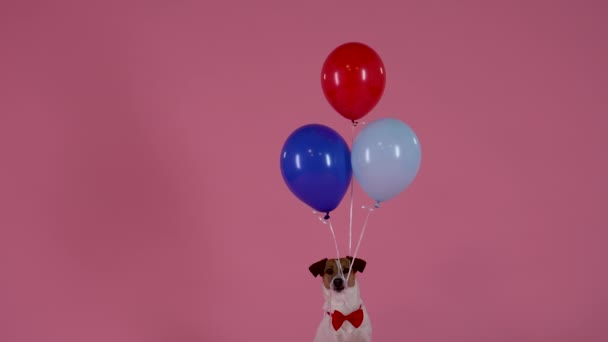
358	265
318	268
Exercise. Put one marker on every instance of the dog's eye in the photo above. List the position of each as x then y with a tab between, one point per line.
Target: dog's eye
346	271
329	271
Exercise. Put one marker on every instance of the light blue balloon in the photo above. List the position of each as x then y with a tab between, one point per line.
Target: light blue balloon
385	158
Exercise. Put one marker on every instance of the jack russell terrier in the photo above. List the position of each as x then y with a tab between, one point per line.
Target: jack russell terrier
345	318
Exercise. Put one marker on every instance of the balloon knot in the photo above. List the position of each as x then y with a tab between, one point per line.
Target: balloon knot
326	216
355	123
377	205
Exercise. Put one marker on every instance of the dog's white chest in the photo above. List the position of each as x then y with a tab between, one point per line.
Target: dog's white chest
346	303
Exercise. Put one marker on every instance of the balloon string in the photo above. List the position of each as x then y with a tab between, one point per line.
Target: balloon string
352	188
331	228
350	228
370	209
333	235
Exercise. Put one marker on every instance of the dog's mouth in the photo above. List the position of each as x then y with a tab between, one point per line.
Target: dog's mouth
339	288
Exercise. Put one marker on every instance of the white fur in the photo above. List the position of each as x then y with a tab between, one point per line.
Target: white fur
346	302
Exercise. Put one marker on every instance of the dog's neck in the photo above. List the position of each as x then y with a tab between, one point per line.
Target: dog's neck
346	301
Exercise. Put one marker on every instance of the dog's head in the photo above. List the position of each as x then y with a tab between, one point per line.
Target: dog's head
334	273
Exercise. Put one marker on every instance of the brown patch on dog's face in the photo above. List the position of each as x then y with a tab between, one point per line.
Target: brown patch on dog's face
332	270
333	274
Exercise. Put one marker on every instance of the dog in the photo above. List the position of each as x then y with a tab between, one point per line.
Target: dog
345	318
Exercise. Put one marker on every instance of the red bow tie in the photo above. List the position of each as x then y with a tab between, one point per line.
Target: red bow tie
355	318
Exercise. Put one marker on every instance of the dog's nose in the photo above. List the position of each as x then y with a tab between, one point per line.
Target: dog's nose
338	282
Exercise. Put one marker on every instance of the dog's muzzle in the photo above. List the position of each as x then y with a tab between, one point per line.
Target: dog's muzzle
338	284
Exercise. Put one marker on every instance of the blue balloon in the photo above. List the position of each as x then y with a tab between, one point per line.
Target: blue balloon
385	158
316	166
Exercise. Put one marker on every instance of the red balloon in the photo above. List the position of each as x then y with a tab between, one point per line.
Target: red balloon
353	79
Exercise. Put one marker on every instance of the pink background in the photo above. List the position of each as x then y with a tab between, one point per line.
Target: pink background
141	197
